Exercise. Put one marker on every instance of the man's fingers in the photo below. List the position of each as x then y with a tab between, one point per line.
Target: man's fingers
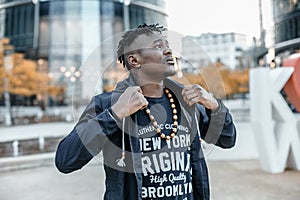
192	99
138	89
196	94
187	90
189	93
138	99
190	89
190	96
143	101
144	106
193	94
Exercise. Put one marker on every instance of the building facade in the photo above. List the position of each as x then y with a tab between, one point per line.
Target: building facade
286	16
62	34
209	48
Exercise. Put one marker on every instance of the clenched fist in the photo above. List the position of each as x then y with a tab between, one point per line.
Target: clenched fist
196	94
129	102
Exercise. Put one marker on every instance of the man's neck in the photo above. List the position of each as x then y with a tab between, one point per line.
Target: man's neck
152	90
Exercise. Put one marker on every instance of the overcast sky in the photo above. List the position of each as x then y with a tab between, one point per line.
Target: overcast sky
194	17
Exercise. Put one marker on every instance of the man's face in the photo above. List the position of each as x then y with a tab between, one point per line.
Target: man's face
154	56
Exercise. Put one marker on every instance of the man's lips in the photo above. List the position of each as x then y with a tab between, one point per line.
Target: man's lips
170	61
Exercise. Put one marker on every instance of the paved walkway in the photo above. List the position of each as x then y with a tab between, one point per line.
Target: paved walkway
19	132
230	180
235	174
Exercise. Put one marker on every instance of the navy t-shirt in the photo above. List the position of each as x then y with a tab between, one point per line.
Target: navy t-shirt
166	166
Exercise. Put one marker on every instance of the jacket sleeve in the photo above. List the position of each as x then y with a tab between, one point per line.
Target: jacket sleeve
87	137
217	127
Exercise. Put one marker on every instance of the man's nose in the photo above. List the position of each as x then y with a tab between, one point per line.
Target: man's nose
168	50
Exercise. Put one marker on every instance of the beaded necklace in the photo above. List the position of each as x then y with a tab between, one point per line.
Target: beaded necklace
175	118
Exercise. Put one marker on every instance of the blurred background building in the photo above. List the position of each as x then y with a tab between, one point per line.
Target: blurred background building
280	31
60	35
226	48
286	28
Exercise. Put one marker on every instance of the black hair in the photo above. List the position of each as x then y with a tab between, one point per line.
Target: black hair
131	35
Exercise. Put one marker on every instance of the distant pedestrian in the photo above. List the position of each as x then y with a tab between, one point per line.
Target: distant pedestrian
149	128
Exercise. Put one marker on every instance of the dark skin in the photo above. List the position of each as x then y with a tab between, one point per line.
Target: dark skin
149	66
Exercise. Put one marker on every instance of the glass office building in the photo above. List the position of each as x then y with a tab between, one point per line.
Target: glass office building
286	25
61	34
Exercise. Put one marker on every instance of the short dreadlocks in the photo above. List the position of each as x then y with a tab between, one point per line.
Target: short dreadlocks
131	35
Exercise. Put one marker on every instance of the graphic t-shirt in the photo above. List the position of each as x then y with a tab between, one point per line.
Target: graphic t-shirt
166	166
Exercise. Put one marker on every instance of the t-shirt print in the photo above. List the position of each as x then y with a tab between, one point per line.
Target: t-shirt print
166	166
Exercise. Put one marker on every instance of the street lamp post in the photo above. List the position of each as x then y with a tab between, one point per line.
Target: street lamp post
8	66
126	21
71	74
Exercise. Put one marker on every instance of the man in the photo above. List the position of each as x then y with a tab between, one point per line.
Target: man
149	128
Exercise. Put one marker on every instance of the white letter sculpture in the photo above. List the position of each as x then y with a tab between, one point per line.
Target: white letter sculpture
275	126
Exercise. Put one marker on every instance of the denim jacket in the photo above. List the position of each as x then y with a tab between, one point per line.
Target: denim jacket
98	130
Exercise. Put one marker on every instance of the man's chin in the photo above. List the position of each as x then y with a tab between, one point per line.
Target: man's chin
170	73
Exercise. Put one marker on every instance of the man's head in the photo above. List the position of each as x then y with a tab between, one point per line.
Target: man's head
146	50
129	37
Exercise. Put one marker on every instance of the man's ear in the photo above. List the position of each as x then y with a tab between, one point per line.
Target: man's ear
133	61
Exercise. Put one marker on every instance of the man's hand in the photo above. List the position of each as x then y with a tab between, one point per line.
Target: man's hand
129	102
196	94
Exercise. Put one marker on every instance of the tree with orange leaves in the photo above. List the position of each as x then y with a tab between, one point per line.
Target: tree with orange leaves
24	78
219	80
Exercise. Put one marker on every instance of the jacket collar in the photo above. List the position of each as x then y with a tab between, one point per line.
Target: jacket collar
174	86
